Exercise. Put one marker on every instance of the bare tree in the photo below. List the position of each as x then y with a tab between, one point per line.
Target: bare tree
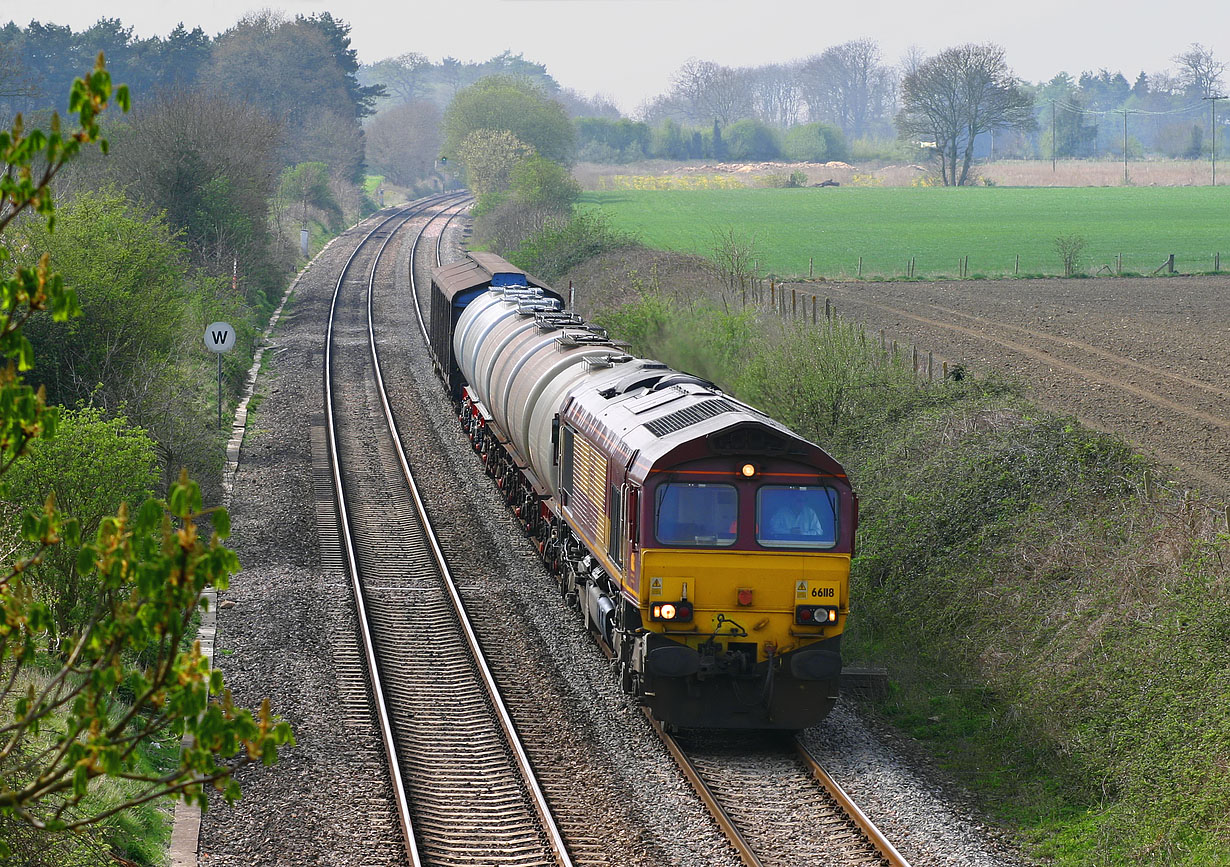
1199	71
911	60
404	142
776	96
848	85
712	92
955	96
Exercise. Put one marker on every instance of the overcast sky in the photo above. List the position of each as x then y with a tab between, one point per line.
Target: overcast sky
628	49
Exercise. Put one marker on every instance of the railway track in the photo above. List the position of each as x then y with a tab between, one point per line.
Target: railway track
805	818
775	802
466	790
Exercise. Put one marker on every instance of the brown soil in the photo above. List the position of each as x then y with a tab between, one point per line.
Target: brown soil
1142	358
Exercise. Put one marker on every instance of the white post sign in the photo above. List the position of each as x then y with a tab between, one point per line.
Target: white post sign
219	338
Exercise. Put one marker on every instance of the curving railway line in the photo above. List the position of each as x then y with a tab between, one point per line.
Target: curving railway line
467	793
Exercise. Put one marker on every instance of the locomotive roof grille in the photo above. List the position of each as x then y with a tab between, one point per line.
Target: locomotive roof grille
690	415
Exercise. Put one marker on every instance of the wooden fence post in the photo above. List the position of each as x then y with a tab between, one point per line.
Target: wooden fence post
794	304
814	301
1170	264
860	267
1017	271
811	267
930	366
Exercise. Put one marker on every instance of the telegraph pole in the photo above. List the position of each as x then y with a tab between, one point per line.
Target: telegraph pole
1213	132
1052	136
1125	149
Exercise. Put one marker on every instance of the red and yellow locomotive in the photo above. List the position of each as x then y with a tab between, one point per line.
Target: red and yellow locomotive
707	545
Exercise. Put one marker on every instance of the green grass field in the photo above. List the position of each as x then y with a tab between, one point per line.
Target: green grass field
937	226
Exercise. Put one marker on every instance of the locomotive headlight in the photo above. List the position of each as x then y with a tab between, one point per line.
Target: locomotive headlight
675	612
747	470
815	615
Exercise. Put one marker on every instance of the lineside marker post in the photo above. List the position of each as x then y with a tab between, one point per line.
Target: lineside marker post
219	339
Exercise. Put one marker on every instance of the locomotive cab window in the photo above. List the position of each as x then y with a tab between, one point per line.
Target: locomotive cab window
789	516
696	515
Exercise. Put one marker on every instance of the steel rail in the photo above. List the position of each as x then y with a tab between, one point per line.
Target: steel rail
727	826
555	839
386	730
414	295
886	849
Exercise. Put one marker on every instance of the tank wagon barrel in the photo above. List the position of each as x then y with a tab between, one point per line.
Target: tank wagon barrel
704	543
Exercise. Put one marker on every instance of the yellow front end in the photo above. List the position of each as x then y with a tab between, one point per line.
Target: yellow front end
745	597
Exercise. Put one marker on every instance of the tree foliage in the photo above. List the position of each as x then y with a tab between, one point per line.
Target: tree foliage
92	466
957	95
750	139
129	278
214	189
301	72
63	724
504	104
403	143
814	142
307	184
489	157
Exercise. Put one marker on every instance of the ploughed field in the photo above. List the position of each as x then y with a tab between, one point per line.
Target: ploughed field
1145	358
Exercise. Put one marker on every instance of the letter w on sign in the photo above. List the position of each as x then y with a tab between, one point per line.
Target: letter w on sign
219	337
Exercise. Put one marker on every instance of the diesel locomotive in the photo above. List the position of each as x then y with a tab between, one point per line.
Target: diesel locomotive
705	545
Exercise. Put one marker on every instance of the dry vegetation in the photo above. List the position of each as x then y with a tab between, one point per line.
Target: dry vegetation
1009	173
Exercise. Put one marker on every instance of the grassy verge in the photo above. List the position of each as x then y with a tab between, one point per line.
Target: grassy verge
886	227
138	834
1060	643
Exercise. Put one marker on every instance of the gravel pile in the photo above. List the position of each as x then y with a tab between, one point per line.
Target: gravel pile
327	800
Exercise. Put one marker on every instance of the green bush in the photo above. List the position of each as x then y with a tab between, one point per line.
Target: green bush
815	143
750	139
558	247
